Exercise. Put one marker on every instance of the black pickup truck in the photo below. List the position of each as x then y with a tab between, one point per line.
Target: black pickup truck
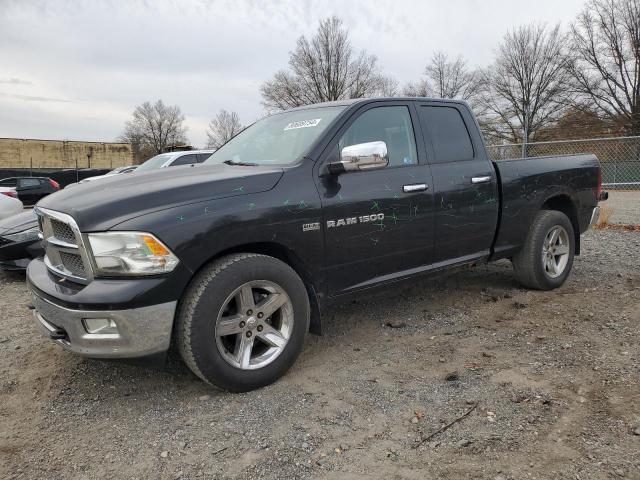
233	260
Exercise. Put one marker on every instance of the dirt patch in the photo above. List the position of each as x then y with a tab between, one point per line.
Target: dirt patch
555	376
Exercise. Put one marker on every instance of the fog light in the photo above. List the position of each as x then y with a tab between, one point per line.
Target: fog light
101	326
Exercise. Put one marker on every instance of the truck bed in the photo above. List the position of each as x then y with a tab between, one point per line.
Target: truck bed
526	183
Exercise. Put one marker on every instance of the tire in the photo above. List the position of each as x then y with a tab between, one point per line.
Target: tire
533	264
218	324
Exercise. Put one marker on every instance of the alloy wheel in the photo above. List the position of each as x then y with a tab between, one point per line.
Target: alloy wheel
254	325
555	251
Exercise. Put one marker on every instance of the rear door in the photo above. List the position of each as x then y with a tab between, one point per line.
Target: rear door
29	190
185	160
378	224
203	156
464	183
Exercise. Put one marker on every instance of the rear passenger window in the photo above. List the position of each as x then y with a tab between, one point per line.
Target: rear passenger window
29	182
448	133
185	160
391	125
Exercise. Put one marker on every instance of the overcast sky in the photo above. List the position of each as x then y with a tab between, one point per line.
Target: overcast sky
76	70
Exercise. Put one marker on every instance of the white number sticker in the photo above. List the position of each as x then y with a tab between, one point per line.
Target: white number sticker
303	124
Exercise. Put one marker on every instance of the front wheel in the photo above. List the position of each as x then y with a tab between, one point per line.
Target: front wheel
242	321
546	258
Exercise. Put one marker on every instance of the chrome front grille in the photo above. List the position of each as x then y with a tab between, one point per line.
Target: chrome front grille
62	231
65	254
73	262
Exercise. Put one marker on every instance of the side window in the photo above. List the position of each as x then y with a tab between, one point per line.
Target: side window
185	160
203	156
391	125
9	182
448	134
29	182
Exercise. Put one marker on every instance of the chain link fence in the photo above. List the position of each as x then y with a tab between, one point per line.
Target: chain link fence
620	157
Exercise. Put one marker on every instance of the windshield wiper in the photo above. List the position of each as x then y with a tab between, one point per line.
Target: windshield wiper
243	164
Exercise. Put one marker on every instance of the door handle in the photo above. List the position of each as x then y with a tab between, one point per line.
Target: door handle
481	179
414	187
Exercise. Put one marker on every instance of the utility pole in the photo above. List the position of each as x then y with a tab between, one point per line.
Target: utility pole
525	125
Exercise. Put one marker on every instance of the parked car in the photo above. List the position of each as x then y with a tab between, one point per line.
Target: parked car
9	204
30	189
124	169
115	171
174	159
9	192
236	260
19	242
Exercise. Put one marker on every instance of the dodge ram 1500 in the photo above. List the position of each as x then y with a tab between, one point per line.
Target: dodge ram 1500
233	260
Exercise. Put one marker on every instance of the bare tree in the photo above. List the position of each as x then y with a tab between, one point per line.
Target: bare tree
446	78
223	128
421	88
606	65
154	127
525	91
387	87
325	68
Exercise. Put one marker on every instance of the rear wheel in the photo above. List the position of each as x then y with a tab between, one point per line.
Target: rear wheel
545	261
242	321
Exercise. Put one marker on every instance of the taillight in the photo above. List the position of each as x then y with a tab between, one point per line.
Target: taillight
55	184
10	193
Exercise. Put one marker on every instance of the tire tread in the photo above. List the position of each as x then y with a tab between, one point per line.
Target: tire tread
526	260
191	299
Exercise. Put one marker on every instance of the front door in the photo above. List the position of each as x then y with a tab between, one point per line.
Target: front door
377	224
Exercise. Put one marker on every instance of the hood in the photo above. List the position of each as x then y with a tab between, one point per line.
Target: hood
18	223
97	206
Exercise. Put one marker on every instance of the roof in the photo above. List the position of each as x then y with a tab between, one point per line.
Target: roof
186	152
26	176
335	103
352	101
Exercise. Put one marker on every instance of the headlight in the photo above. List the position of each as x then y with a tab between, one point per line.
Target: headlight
23	236
130	253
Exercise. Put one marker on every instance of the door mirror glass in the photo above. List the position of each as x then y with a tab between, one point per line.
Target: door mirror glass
362	156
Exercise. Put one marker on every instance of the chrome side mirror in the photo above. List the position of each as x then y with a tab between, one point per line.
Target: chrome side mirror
362	156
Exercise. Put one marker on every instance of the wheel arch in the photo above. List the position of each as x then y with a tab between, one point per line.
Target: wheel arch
562	202
289	257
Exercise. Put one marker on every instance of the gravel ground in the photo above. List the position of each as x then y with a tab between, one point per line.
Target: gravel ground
625	206
554	376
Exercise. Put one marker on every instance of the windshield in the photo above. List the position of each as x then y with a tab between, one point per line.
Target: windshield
155	162
279	139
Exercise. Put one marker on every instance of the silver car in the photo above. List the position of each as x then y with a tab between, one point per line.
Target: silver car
173	159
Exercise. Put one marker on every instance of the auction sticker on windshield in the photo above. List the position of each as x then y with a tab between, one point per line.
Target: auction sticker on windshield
303	124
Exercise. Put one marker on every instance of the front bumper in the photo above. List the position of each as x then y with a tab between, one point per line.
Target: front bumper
15	265
17	255
142	330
